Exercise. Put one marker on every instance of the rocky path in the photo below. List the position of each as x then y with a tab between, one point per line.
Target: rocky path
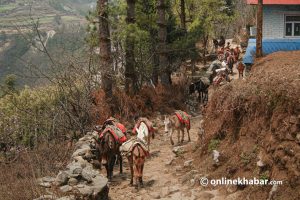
163	178
170	173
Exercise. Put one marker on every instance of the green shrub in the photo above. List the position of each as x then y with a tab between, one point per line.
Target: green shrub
213	145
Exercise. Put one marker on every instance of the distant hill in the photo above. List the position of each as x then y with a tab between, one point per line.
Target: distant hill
49	13
55	19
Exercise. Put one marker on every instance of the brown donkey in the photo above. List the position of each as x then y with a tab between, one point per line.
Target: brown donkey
108	149
178	121
241	68
136	161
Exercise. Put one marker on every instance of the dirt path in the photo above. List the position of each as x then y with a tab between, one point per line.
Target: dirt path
163	179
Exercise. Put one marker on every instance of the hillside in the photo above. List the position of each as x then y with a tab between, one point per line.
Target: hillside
254	125
49	13
56	20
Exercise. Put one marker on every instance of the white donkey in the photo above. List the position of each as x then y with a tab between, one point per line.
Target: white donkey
145	131
173	123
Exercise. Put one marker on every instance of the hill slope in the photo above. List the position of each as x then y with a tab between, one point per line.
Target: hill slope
50	13
59	19
255	125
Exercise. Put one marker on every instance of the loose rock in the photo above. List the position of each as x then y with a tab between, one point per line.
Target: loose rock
45	184
62	178
178	150
73	181
188	163
65	188
67	198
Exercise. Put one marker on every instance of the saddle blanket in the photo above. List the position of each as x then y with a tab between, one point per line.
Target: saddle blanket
121	127
146	121
184	118
126	147
114	121
116	132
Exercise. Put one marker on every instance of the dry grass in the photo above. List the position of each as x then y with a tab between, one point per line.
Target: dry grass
147	103
253	116
18	179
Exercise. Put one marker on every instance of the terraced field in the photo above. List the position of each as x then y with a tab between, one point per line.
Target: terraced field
20	15
16	23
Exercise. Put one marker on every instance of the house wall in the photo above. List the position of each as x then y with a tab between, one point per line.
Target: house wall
273	20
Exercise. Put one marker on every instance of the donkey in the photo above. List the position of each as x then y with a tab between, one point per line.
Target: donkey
136	150
173	123
241	68
145	131
136	160
222	41
216	44
108	149
236	53
202	90
230	62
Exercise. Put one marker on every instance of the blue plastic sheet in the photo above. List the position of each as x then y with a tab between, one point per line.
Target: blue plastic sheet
270	46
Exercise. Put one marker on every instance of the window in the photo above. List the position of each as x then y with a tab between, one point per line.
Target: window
292	25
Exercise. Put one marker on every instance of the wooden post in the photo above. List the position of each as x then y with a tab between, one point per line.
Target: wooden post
259	33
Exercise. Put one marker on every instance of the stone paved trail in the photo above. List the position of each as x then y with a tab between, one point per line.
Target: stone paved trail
162	179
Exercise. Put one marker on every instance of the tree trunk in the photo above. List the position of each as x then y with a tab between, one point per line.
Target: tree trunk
205	41
130	75
155	58
182	15
105	48
259	29
162	43
148	7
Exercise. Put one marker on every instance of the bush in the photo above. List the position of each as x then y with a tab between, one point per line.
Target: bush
213	145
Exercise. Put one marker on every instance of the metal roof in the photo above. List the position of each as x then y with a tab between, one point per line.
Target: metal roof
276	2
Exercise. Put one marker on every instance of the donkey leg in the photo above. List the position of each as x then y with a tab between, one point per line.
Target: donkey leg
121	163
117	160
136	175
178	135
182	135
199	97
131	169
188	132
171	135
141	178
112	163
107	171
137	185
100	161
